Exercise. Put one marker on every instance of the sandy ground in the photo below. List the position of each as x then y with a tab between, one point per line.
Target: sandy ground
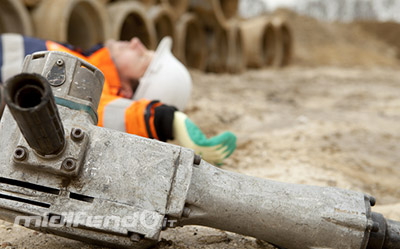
325	126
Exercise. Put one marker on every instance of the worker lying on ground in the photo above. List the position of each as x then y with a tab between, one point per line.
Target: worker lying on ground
134	78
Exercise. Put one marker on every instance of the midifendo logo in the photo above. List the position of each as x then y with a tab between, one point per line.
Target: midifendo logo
145	220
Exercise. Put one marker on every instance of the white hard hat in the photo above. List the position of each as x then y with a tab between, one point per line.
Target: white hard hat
166	79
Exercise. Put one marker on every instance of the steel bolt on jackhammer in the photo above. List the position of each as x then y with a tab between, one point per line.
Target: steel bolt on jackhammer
121	190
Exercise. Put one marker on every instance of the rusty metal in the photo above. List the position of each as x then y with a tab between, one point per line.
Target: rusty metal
20	153
77	134
69	164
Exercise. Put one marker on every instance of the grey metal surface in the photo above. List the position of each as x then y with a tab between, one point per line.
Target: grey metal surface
392	238
123	174
288	215
82	83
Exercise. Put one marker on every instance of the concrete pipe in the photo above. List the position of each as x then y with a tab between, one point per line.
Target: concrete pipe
190	42
82	23
31	3
14	18
211	12
145	3
104	2
236	61
179	6
217	40
284	44
260	39
162	19
128	20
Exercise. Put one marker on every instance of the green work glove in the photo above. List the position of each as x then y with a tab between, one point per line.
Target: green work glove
213	150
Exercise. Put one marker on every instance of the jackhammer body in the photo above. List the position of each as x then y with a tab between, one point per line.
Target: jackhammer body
61	174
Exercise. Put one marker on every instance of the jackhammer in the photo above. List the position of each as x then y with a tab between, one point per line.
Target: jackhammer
62	174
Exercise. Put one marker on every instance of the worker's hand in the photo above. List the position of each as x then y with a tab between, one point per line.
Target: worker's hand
213	150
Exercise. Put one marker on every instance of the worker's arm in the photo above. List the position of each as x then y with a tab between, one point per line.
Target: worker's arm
153	119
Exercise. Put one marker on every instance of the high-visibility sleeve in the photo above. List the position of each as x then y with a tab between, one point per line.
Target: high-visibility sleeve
145	118
12	53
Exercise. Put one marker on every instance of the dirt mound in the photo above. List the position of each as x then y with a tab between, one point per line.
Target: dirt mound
341	44
388	32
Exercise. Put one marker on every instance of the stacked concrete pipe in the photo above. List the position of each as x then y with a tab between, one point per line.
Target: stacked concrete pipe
218	16
284	46
206	33
190	42
129	19
236	61
31	3
212	12
217	43
162	18
14	18
82	23
260	42
179	6
146	3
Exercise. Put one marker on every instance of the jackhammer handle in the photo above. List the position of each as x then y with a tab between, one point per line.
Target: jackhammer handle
31	102
392	238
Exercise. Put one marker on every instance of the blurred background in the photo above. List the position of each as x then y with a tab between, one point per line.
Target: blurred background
220	35
337	10
340	32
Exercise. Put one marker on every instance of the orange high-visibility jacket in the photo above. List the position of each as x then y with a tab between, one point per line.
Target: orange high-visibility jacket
144	118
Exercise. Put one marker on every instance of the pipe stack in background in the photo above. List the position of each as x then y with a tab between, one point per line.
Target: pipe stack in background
208	34
129	19
79	22
14	18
